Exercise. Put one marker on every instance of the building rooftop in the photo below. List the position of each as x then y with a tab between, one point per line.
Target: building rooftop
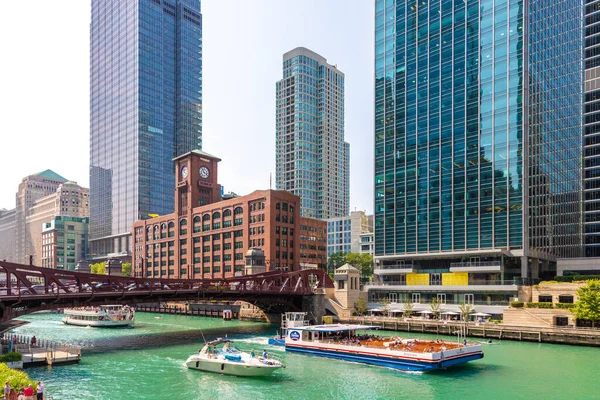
49	174
198	152
346	267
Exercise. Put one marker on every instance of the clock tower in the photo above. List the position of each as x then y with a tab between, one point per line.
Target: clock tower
196	181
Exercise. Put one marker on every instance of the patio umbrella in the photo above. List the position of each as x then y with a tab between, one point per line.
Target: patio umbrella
424	312
375	309
450	313
481	314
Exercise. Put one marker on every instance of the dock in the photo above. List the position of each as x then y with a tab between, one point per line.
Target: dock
44	352
574	336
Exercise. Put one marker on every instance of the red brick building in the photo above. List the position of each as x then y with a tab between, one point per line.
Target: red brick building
208	238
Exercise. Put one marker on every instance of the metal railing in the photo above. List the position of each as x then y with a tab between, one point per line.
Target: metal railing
471	283
476	264
394	266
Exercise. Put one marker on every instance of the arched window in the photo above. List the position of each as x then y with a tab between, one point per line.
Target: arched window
196	219
227	213
238	210
183	222
206	217
216	215
155	228
163	226
171	224
149	229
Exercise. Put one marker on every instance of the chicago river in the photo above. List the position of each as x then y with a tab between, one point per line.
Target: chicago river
146	362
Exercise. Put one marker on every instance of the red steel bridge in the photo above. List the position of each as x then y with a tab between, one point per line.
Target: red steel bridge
25	289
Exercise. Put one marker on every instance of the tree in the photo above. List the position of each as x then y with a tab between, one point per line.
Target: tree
435	307
465	310
335	261
407	309
385	306
361	305
98	268
126	269
588	304
362	262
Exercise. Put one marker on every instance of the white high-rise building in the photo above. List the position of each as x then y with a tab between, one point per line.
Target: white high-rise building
312	158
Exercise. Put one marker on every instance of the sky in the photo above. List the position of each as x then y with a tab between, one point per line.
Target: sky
44	86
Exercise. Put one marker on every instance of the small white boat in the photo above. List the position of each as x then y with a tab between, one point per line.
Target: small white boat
230	361
106	316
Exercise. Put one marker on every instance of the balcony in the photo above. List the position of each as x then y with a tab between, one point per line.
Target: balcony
477	266
394	269
474	285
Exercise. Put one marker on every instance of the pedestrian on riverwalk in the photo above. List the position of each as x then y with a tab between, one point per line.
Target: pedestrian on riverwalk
33	341
40	391
6	390
28	392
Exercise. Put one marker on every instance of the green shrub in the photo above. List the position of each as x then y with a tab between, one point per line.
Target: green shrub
532	305
545	305
576	278
14	377
11	357
517	304
567	306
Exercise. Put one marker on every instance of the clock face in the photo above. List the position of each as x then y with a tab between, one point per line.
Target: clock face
184	172
204	172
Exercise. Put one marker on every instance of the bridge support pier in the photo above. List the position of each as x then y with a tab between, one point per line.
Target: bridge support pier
315	307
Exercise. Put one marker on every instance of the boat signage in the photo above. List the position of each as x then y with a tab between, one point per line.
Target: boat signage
295	335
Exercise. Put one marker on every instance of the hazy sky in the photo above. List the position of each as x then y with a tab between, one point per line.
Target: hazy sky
44	86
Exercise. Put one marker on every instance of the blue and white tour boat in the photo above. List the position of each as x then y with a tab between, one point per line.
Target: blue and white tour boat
345	342
289	320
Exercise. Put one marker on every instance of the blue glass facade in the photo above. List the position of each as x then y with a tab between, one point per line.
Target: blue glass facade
146	100
476	129
591	161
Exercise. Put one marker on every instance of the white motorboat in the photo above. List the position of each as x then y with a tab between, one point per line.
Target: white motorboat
106	316
229	360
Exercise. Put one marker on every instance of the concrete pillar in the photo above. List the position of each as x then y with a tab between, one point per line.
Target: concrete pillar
524	267
535	268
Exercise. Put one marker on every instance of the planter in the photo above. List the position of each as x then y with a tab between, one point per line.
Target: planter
15	364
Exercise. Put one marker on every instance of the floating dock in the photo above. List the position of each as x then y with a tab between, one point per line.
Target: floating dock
43	352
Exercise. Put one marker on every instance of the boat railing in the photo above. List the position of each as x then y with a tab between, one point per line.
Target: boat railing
270	356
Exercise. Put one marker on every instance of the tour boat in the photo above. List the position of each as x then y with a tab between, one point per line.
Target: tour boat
343	342
107	316
289	320
230	361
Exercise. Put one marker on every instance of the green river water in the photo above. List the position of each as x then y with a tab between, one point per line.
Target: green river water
146	362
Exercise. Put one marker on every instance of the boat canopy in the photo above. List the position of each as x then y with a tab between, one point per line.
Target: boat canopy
335	328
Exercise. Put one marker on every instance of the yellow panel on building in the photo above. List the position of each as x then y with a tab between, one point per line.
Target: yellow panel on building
417	279
455	279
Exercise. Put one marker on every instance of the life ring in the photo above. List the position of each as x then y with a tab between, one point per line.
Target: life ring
100	318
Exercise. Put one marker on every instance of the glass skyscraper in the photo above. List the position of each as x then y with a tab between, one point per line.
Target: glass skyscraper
477	136
312	159
592	129
145	109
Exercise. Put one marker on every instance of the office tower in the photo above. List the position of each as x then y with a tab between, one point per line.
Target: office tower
477	142
64	242
145	109
8	226
312	158
31	189
344	233
591	162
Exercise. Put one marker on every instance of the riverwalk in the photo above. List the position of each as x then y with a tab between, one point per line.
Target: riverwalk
575	336
195	309
43	352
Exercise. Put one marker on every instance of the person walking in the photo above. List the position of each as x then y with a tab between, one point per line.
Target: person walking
40	390
28	392
6	390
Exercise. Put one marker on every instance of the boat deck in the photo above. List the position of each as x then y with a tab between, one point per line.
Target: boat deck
399	344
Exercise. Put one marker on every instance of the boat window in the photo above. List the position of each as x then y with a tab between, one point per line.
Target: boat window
305	335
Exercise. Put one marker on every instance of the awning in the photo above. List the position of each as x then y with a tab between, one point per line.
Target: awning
450	313
424	312
375	309
481	314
